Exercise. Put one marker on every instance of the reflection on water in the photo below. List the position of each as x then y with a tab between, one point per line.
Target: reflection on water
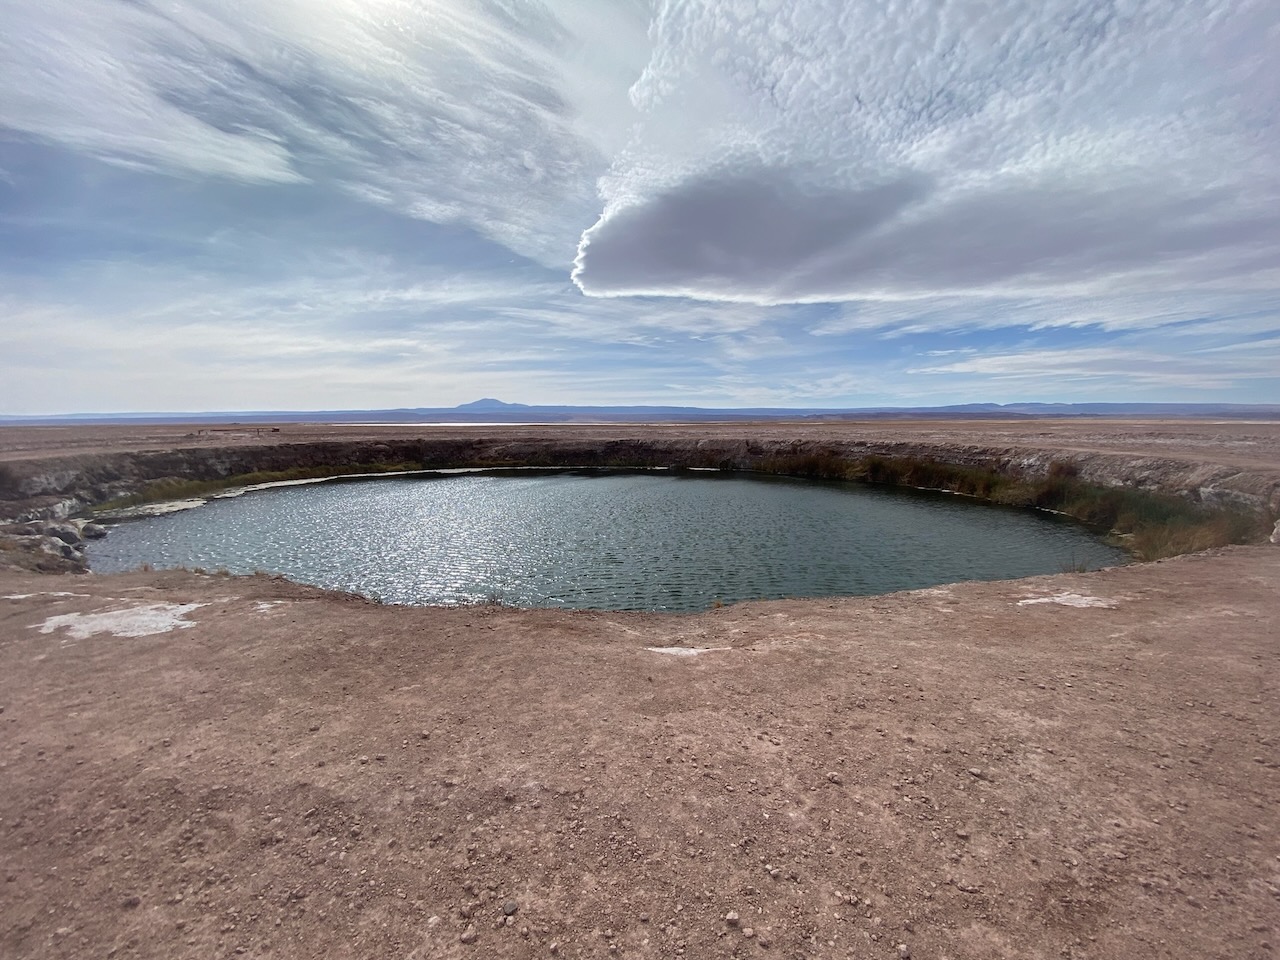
604	541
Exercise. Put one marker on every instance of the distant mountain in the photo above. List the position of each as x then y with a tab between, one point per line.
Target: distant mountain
488	405
490	410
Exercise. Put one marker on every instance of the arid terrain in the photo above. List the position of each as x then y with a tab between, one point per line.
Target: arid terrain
1082	765
1240	443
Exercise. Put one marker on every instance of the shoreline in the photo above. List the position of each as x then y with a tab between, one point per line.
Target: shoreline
1198	493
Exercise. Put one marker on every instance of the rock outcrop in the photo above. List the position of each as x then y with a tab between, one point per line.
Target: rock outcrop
54	489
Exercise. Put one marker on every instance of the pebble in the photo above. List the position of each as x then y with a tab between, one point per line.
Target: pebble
469	935
748	932
731	918
904	952
510	907
834	777
130	903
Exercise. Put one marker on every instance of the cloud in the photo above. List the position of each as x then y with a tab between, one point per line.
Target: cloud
453	111
1117	366
1061	148
380	202
712	232
1178	311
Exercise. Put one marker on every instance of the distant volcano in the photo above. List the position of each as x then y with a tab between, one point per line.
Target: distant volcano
489	403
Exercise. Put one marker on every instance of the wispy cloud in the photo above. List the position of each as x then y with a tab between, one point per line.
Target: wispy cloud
379	202
449	111
1119	367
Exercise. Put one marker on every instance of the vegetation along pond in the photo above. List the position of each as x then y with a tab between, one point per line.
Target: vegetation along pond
620	541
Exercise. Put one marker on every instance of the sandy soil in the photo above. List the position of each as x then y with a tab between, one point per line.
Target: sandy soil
1084	765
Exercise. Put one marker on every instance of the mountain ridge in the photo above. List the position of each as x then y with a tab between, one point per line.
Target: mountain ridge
490	409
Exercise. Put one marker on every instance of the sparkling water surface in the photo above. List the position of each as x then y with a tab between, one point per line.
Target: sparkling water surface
622	541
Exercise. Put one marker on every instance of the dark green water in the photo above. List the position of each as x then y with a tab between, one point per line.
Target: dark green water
652	541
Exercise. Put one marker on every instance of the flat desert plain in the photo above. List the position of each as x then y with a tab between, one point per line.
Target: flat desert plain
1080	765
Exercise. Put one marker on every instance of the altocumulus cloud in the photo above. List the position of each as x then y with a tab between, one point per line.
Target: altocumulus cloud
850	151
449	111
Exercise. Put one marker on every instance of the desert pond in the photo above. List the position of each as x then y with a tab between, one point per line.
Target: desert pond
622	541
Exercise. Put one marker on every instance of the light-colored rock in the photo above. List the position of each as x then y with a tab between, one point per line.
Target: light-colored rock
68	533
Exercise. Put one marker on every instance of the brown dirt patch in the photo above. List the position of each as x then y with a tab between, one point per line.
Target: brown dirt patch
301	774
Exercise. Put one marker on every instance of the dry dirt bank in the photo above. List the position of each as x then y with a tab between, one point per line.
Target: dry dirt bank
56	471
1069	766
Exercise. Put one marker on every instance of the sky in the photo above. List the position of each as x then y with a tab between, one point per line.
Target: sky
362	204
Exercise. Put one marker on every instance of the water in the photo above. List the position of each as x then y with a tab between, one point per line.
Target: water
604	541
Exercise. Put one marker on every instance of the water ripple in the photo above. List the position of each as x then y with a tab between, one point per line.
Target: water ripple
613	541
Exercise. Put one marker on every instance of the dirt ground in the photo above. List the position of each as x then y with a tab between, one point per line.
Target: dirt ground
1083	765
1245	444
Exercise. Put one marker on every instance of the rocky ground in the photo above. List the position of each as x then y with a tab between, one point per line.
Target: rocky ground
1084	765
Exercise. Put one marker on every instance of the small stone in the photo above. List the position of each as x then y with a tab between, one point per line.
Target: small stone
380	757
748	932
314	728
554	948
469	935
978	772
834	777
130	903
904	952
962	834
731	918
644	918
364	759
510	907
